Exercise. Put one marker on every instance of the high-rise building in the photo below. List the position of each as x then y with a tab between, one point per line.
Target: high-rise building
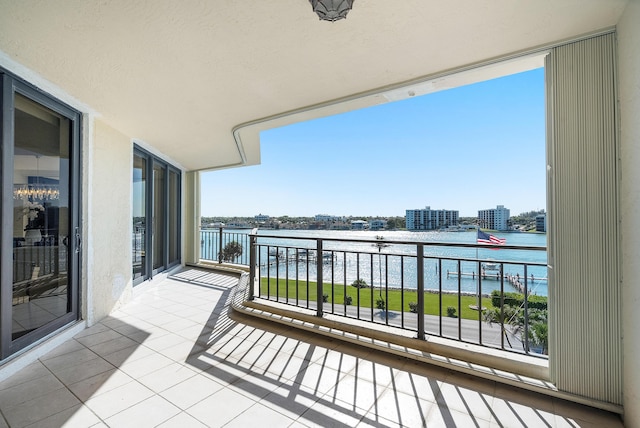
494	218
428	219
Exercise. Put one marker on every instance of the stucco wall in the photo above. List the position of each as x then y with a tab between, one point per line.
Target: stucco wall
107	241
629	91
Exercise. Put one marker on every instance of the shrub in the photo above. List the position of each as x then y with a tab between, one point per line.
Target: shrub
360	283
413	307
380	303
348	300
451	311
231	251
517	300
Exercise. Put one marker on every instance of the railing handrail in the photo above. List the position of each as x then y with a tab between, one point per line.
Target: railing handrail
399	242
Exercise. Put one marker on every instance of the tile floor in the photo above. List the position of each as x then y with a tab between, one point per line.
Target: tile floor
178	356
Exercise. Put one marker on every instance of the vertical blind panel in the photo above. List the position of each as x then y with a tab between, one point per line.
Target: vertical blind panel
584	275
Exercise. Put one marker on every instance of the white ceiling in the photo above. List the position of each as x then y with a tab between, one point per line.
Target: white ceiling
182	75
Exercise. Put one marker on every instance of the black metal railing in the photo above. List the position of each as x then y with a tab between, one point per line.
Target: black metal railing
214	241
463	294
466	298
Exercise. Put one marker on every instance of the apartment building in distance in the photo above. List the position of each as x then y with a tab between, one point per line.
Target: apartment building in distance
428	219
495	218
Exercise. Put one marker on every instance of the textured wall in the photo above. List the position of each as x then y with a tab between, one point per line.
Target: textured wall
108	229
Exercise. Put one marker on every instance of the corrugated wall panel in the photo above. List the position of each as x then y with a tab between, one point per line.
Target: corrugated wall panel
584	272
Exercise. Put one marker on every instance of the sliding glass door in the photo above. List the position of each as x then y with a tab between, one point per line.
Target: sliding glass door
156	215
40	228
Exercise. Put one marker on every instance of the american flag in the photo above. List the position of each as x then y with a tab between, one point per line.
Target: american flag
485	238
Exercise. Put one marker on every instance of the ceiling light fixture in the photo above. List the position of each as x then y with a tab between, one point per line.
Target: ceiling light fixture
331	10
36	191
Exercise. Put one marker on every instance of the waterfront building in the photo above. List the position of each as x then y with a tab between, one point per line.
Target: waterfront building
541	223
359	225
377	224
326	218
428	219
125	114
261	218
495	218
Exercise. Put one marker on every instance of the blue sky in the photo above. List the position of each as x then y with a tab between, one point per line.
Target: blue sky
466	149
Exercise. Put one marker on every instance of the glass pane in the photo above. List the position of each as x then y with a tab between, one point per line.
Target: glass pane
174	207
41	234
139	216
158	216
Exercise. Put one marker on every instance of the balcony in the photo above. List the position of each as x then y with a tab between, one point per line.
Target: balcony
179	355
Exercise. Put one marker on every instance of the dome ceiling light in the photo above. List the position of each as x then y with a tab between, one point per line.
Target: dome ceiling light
331	10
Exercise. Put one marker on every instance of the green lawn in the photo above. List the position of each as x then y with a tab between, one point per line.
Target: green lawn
395	298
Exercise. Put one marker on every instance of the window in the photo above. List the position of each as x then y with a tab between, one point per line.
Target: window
156	215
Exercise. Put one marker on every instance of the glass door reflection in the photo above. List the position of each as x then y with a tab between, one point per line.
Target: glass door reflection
41	223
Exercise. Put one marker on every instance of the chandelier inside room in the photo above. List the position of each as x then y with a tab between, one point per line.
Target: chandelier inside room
36	191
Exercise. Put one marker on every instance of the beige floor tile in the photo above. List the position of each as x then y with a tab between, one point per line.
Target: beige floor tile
191	391
512	414
94	329
66	348
99	384
118	399
29	390
83	370
166	377
327	414
110	346
355	393
78	416
463	399
291	400
266	416
70	359
103	336
40	408
422	387
319	379
148	413
145	365
128	355
400	409
442	417
220	408
166	341
182	420
34	370
255	386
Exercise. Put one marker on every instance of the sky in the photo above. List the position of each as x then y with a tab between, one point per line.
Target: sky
466	149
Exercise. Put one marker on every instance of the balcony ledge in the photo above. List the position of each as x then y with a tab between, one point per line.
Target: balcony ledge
526	372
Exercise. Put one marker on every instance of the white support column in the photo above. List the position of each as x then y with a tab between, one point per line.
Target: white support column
192	217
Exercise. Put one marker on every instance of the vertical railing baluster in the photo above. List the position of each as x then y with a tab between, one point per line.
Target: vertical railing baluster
440	295
459	300
526	312
319	288
386	289
372	287
402	291
220	246
479	308
252	266
503	330
420	267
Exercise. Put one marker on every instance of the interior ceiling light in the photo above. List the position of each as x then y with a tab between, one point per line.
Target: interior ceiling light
331	10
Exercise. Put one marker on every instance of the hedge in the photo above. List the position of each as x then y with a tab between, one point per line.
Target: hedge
517	299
